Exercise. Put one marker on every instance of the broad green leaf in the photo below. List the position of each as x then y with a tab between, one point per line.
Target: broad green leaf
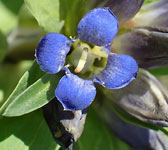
10	74
8	19
27	79
3	46
34	97
13	6
97	137
47	14
26	19
26	132
8	14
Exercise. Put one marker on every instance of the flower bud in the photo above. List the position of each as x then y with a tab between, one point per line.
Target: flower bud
145	99
123	9
154	14
135	136
147	45
66	126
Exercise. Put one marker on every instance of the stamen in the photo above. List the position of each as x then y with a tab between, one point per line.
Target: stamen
82	60
103	84
73	39
66	68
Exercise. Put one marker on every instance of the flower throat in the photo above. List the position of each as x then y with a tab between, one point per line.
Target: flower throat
86	60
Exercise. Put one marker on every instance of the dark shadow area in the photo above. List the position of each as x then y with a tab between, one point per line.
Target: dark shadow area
53	113
13	5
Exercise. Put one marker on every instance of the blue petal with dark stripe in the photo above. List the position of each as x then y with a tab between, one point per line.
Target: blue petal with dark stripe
119	71
75	93
99	26
51	52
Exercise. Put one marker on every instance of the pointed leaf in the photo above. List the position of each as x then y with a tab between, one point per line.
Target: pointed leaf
27	79
34	97
47	14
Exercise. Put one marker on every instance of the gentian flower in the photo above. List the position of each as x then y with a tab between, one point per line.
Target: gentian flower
99	27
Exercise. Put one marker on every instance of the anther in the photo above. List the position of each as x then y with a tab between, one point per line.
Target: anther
103	84
82	60
66	68
73	39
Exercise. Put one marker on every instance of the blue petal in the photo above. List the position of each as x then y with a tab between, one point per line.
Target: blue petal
51	52
119	71
75	93
99	26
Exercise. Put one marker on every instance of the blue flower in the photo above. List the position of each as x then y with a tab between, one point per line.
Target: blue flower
99	27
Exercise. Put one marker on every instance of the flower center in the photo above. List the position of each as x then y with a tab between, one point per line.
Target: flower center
86	60
82	60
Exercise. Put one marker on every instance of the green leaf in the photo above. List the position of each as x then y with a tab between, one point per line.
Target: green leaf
12	5
97	137
8	18
34	97
27	79
10	73
26	19
26	132
3	46
71	12
149	1
47	14
159	71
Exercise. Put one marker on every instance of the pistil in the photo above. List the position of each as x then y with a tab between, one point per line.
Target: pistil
82	60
